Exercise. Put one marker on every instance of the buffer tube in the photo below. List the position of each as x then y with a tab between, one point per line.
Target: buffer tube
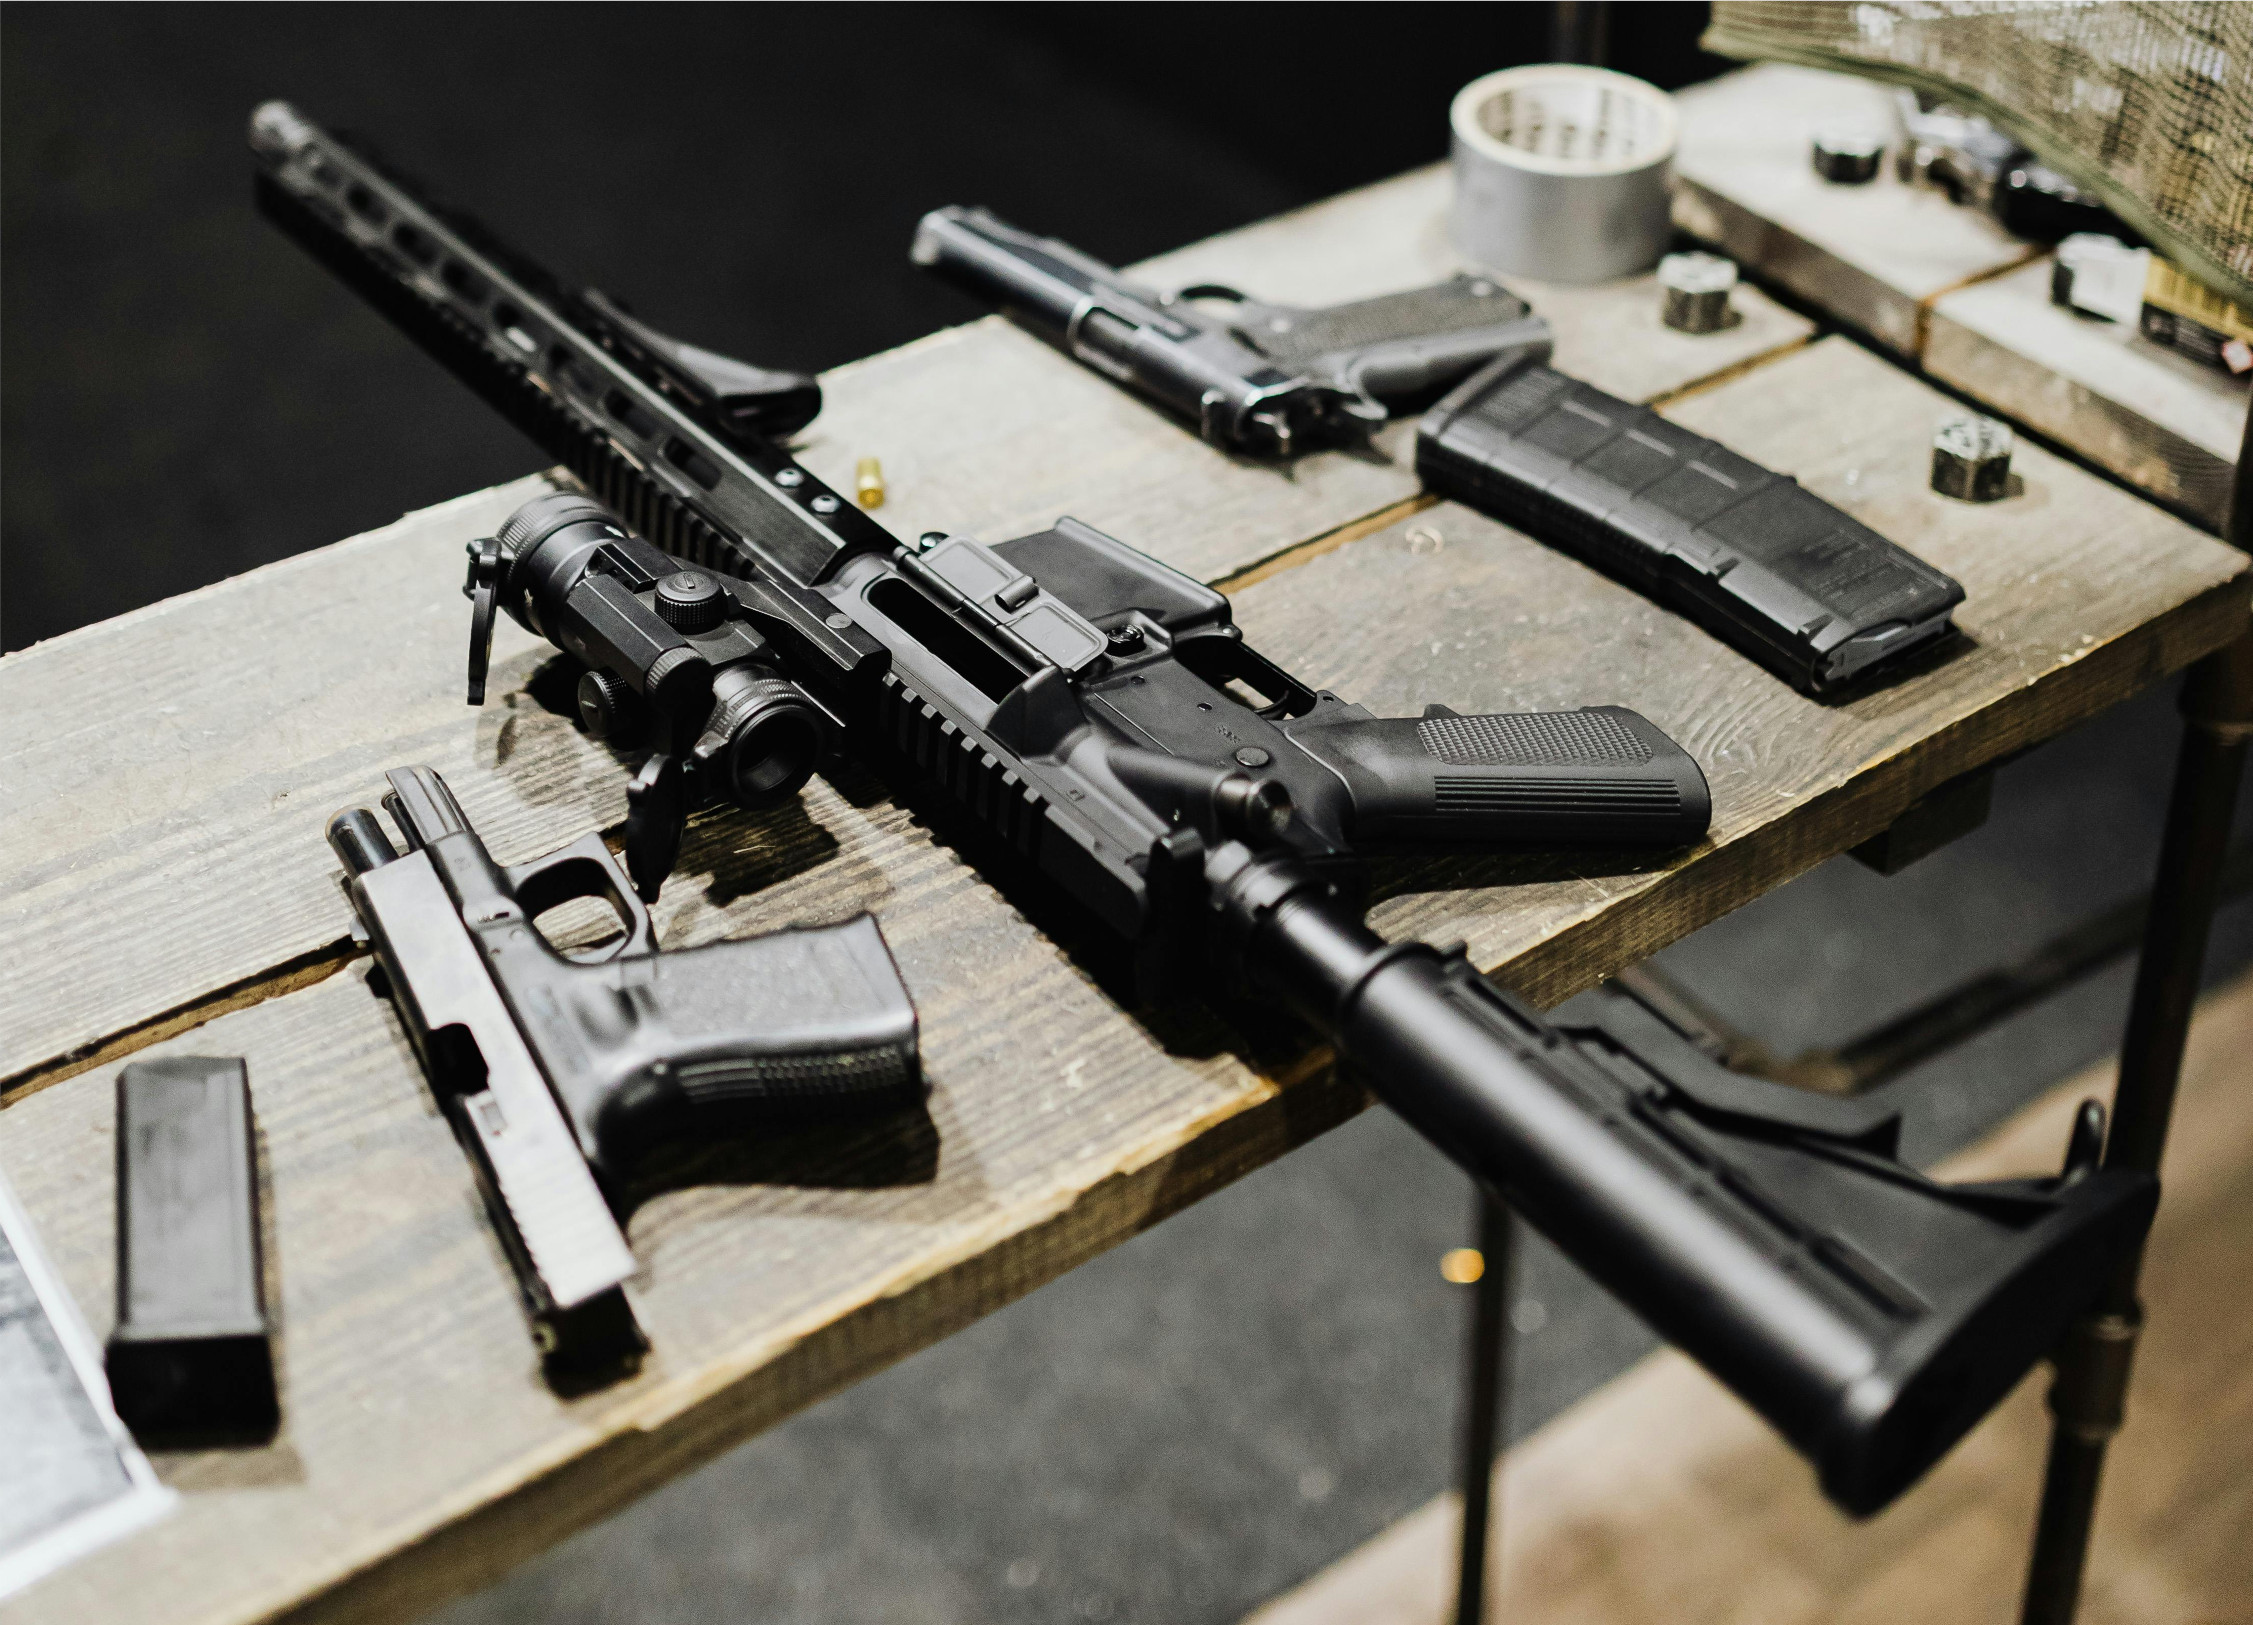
1868	1313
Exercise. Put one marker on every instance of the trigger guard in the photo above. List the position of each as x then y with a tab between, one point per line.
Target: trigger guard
1211	290
585	868
656	816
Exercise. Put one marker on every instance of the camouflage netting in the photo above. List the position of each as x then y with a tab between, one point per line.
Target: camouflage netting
2150	106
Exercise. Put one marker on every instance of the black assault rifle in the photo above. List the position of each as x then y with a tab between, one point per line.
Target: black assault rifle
1098	714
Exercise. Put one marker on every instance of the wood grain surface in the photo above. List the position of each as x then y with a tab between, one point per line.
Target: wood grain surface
420	1455
979	429
2157	419
189	752
1945	287
1874	255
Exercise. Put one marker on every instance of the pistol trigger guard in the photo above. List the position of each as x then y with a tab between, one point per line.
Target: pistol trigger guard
656	815
483	588
585	868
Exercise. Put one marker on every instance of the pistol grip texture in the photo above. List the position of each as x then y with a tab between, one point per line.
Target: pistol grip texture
1596	777
801	1025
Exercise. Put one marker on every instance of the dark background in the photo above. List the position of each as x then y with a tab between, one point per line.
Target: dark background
187	396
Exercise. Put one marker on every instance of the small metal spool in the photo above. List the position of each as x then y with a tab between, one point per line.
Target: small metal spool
1971	458
1697	289
1562	172
1848	157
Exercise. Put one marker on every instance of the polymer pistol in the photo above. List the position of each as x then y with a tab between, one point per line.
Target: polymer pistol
1817	597
1107	734
561	1073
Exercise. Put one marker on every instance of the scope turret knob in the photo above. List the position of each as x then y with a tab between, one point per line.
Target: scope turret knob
691	601
611	710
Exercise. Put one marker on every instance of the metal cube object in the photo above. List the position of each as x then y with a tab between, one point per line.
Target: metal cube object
1847	157
1696	291
1971	458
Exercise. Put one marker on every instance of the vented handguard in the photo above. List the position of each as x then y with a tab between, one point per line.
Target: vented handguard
1589	777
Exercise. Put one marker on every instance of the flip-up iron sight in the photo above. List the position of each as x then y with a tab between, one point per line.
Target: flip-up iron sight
1104	724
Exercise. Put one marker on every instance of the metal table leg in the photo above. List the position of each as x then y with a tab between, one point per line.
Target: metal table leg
1483	1390
2093	1364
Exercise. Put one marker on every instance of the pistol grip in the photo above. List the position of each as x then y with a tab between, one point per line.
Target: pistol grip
797	1027
1603	776
1404	349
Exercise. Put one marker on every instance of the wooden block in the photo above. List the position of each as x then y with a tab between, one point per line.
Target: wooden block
1874	255
420	1455
2157	419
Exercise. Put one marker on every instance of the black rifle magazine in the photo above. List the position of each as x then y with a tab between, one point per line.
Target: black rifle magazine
1774	571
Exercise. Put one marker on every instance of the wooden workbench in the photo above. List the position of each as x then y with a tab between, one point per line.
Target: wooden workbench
164	887
1944	288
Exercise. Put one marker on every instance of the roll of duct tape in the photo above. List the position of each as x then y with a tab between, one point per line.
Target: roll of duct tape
1562	172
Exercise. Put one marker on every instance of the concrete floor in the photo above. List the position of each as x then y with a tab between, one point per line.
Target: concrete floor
1201	1419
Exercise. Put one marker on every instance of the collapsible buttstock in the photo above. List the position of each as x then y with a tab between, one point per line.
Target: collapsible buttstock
1869	1313
1599	776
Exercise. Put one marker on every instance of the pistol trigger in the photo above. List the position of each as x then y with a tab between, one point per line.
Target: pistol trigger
482	587
656	815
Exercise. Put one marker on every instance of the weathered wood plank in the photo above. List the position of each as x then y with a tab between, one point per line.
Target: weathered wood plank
421	1454
238	718
1945	286
420	1451
164	777
2157	419
1874	255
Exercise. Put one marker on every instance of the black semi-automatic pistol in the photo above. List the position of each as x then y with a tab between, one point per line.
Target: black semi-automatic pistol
1818	598
1104	727
560	1073
1266	380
